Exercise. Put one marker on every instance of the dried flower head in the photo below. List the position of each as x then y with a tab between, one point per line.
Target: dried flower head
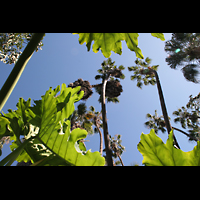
85	86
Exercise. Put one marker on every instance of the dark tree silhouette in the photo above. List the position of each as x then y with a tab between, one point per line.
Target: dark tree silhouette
184	51
144	72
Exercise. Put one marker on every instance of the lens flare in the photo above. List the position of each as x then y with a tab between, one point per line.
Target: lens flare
177	50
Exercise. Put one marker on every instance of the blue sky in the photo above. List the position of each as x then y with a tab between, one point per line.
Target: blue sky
63	60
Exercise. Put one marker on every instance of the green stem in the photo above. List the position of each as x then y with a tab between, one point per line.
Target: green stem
19	67
8	160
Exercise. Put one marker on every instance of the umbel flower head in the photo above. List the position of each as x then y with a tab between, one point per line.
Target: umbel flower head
85	86
113	88
112	74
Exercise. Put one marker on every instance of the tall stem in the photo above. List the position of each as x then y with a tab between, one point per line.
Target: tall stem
101	138
105	125
163	106
120	159
19	67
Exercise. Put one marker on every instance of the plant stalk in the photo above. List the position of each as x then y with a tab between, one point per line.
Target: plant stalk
101	138
8	160
163	106
105	125
19	67
120	159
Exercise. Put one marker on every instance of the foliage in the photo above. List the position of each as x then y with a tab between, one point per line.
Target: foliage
117	147
156	122
189	116
85	119
156	153
11	44
108	42
184	50
141	72
45	127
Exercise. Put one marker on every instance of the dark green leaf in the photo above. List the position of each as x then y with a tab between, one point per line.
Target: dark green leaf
121	67
98	77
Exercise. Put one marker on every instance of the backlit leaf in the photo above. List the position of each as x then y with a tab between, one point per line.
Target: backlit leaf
159	35
108	42
156	153
48	138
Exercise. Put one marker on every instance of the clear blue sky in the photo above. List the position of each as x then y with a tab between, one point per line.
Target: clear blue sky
64	60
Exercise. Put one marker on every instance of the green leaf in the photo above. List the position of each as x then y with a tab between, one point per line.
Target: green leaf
156	153
55	128
130	69
108	42
92	108
98	77
148	60
47	130
121	67
3	126
132	43
159	35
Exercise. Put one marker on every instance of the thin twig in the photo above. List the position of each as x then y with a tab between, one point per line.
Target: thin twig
193	138
120	159
114	147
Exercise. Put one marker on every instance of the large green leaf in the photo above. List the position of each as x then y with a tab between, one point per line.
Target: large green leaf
156	153
132	43
46	126
159	35
108	42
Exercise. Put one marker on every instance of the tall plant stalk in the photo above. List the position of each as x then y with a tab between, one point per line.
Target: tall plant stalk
19	67
163	107
101	137
105	125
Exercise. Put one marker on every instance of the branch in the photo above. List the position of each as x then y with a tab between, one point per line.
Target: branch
120	159
19	67
193	138
114	147
97	85
105	125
